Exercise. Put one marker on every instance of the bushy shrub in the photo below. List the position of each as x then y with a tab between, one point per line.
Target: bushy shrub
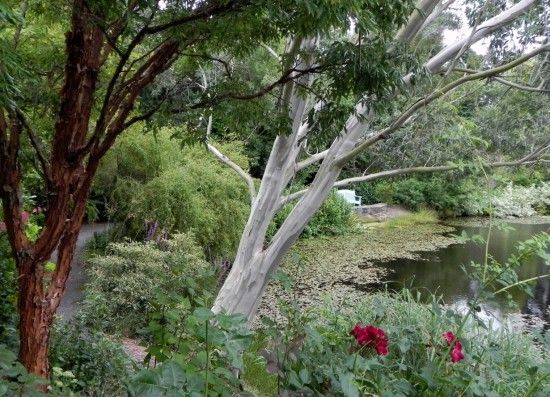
410	193
205	358
120	292
406	351
511	201
148	178
87	362
521	201
334	218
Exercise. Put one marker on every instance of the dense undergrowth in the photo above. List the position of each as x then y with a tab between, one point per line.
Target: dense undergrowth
510	195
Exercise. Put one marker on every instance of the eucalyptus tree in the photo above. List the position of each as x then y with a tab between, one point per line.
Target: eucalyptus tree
354	109
69	116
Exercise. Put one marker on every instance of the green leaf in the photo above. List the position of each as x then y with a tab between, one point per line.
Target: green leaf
349	388
404	345
172	374
304	376
202	313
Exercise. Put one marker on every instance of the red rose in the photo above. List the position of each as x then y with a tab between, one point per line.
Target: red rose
370	335
456	351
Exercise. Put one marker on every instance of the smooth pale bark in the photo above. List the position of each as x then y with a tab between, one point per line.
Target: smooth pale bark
257	259
235	167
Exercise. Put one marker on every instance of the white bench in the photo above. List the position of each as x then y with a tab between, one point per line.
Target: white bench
350	196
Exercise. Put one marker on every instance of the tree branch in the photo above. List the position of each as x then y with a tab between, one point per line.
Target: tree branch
124	100
235	167
402	119
288	76
440	8
311	160
422	11
36	144
419	170
481	31
504	81
209	10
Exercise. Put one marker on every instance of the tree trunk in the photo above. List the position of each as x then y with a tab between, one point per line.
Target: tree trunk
34	323
254	265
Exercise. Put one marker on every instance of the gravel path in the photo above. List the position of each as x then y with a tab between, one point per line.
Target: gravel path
77	277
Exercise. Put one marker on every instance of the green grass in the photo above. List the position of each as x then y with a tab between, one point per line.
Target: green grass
422	217
255	377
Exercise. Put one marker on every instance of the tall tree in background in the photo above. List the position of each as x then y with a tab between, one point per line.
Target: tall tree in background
377	113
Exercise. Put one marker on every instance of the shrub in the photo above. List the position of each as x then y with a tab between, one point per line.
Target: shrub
521	201
391	344
315	354
512	201
207	351
334	218
120	292
14	378
87	362
147	178
410	193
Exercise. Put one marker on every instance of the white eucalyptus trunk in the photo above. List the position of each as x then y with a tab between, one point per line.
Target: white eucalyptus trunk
256	259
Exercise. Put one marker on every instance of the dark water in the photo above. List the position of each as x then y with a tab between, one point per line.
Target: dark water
440	272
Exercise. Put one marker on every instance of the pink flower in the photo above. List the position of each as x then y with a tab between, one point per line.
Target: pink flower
449	337
25	216
370	335
456	351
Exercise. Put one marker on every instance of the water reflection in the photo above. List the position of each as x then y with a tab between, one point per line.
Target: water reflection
441	272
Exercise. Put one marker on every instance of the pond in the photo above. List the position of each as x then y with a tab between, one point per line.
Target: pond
441	271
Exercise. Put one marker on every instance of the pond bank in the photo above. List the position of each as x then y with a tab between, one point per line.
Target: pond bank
344	265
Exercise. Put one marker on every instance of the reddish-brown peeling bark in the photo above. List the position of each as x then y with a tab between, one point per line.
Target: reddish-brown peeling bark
69	174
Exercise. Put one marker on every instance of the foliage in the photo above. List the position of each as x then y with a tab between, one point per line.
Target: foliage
11	65
148	178
522	201
122	284
447	195
94	364
14	379
511	201
8	292
432	350
334	218
315	354
421	217
450	196
208	354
